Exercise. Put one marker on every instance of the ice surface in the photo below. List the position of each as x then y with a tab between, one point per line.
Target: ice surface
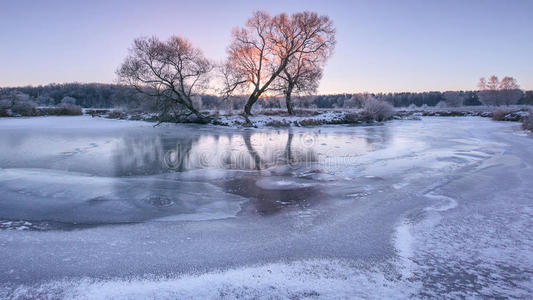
68	197
434	208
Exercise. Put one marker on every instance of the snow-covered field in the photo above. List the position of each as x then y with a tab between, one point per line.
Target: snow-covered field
92	208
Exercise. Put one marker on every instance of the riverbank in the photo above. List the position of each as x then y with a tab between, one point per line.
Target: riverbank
306	118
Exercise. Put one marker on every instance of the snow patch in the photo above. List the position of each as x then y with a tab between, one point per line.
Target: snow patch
328	279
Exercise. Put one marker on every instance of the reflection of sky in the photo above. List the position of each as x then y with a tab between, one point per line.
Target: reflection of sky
382	45
126	153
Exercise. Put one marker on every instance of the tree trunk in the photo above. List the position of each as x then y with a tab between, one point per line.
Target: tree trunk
188	104
248	107
288	99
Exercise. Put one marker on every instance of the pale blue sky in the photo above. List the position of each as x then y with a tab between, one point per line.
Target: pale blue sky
381	45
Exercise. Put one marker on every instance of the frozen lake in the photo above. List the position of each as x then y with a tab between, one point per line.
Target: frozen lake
97	208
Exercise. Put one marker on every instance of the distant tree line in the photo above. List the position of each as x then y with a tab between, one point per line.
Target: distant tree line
97	95
82	94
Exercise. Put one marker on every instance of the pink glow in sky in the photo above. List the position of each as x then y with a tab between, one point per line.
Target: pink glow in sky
381	45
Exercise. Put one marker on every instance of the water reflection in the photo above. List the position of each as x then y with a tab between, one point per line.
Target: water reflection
242	151
191	173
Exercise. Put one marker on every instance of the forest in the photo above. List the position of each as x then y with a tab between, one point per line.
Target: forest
100	95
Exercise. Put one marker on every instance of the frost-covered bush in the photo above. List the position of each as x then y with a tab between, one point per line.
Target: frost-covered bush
376	110
117	115
71	109
311	122
499	114
527	122
16	104
24	108
351	118
412	107
61	110
441	104
5	108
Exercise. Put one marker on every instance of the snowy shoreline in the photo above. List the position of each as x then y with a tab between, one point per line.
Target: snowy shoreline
309	118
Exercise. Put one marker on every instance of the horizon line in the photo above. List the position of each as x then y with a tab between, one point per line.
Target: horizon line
214	94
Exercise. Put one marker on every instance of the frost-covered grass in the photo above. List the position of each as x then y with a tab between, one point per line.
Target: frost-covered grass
315	119
501	113
372	111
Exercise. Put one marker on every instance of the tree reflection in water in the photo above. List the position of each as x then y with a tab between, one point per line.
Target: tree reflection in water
275	157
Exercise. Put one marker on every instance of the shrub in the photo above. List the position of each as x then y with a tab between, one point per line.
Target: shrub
5	108
120	115
62	110
311	122
499	114
376	110
441	104
71	109
49	111
351	118
135	117
97	112
24	108
527	122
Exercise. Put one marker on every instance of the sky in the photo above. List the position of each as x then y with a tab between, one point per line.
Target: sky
382	46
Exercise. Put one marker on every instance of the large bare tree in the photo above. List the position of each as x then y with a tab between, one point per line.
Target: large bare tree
172	71
264	47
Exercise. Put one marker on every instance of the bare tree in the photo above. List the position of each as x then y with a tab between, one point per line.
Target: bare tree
488	92
171	71
510	91
231	83
304	71
263	49
496	92
301	75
